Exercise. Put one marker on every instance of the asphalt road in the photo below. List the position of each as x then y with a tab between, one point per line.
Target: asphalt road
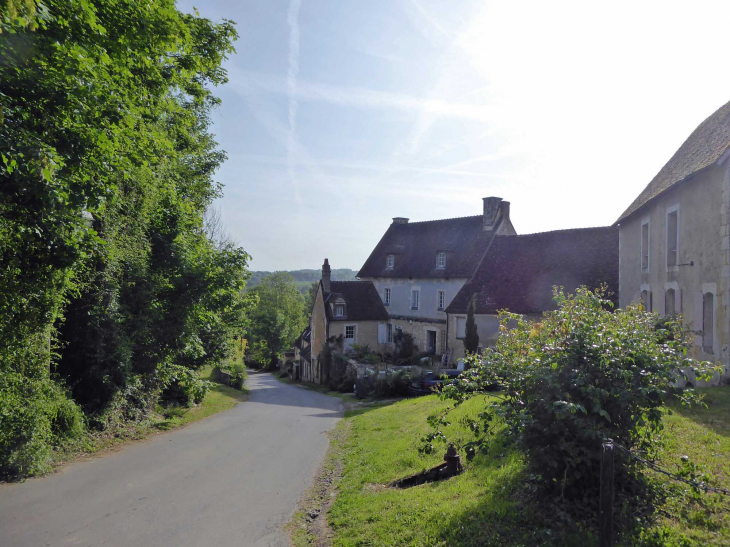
230	480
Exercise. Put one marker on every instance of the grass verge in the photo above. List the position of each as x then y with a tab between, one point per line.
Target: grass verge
492	503
347	397
218	399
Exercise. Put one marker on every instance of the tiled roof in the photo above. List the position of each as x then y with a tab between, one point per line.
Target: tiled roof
519	272
414	246
362	301
704	147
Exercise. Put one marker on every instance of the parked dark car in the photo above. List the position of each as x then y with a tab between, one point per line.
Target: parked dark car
429	382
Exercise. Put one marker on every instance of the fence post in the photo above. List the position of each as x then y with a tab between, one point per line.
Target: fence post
606	502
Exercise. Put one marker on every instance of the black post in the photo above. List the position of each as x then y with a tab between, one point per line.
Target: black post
606	502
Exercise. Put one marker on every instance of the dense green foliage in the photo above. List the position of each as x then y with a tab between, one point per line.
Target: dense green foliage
471	337
109	285
276	320
583	374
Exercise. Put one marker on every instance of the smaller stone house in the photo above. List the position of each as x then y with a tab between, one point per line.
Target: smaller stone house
350	309
518	274
302	354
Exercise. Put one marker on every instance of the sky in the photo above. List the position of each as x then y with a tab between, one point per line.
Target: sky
340	115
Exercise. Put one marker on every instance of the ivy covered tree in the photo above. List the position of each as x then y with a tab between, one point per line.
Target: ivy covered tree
109	285
471	338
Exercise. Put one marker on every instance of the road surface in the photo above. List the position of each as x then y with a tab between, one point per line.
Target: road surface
230	480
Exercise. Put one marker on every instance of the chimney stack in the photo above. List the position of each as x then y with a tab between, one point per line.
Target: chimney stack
491	213
326	276
400	220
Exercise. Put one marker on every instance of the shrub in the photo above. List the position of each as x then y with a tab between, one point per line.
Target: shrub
405	347
182	386
35	414
580	376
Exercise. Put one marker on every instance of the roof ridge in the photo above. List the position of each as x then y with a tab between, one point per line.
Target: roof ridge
562	230
439	220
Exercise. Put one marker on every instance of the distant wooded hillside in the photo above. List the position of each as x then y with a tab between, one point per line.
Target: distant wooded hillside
305	278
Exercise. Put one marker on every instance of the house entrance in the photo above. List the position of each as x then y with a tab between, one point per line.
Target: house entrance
349	337
431	341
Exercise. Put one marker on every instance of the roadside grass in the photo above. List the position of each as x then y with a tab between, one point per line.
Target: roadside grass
491	503
220	398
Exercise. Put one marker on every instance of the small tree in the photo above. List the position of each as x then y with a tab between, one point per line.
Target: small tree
471	340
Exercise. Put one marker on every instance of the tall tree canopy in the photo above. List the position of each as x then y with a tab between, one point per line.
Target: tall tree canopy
108	282
278	318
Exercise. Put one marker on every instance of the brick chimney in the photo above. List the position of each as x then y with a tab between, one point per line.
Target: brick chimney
326	276
495	209
400	220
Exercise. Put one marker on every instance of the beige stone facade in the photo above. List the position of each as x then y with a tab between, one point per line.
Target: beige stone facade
695	283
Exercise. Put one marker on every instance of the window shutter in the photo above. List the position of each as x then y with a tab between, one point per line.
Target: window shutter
697	319
662	301
382	334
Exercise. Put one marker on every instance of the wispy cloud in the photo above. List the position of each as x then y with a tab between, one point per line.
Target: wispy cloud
291	90
361	97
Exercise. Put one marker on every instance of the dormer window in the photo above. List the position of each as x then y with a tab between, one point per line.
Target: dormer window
339	310
389	262
441	260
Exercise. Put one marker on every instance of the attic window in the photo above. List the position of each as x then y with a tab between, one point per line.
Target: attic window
441	260
339	310
389	262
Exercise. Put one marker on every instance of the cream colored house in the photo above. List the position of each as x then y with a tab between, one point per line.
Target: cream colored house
418	268
518	274
675	240
351	309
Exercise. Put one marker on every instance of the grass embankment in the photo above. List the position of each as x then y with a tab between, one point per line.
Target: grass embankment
491	502
347	397
218	399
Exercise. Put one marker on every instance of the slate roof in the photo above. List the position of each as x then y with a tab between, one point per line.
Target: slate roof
519	272
304	337
415	245
704	147
362	301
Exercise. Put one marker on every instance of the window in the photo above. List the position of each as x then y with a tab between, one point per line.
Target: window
441	260
441	299
389	262
386	296
350	332
390	333
708	322
669	308
645	246
461	327
673	237
415	295
339	310
646	299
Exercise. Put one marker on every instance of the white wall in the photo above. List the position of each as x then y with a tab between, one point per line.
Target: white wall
400	295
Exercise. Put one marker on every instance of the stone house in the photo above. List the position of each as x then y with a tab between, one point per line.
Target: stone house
302	354
518	274
351	309
675	240
417	268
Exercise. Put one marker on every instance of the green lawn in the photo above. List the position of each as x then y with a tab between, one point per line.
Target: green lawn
489	503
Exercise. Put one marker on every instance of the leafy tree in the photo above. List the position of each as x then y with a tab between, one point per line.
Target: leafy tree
278	318
471	339
581	375
108	277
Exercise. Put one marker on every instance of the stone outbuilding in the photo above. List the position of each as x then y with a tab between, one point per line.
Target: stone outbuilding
675	240
350	309
518	274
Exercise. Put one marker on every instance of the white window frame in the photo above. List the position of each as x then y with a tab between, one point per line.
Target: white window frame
415	299
645	222
354	332
386	296
670	210
440	260
441	300
339	307
389	262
